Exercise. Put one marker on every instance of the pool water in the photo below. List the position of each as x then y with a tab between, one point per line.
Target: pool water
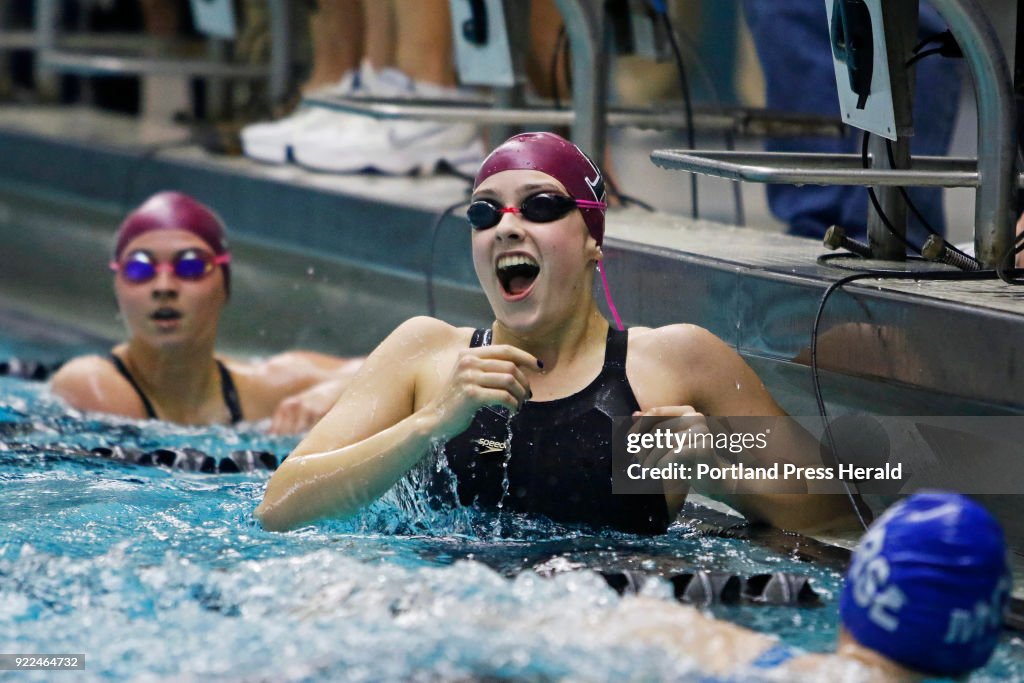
165	575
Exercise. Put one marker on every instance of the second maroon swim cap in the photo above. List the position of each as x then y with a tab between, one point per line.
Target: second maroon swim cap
560	159
175	211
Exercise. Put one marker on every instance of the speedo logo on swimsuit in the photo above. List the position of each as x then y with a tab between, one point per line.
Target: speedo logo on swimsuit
489	446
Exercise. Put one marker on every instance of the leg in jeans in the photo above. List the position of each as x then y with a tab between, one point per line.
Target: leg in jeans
792	40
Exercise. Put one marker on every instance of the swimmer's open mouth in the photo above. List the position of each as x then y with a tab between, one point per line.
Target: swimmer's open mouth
516	273
166	314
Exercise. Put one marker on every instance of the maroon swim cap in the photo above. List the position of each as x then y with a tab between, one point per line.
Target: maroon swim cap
560	159
175	211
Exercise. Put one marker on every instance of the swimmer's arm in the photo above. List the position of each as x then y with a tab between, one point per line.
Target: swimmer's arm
90	383
789	443
386	421
362	446
719	647
296	388
722	384
318	383
316	484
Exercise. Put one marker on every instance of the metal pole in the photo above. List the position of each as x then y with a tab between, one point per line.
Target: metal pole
997	135
584	24
45	22
517	24
900	21
280	50
1018	86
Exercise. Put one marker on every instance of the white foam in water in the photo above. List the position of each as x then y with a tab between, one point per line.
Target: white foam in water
165	576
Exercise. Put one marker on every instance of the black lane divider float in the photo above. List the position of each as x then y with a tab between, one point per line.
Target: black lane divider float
713	588
191	459
28	369
183	459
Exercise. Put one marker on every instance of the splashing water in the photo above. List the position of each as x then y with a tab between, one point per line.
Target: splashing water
166	576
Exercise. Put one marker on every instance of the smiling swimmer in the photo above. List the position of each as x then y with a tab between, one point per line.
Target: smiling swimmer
547	376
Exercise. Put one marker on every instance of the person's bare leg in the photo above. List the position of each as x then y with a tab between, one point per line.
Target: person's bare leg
160	18
336	28
380	36
162	95
424	41
545	25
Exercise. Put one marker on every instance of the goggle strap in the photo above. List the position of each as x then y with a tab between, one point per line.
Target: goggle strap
589	204
608	297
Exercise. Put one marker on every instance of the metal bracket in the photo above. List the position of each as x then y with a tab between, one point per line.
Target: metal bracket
52	58
995	177
822	169
736	120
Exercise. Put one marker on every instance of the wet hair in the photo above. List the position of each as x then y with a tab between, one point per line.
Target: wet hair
928	585
175	211
560	159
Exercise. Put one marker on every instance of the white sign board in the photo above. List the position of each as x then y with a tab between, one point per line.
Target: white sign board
214	18
489	63
877	115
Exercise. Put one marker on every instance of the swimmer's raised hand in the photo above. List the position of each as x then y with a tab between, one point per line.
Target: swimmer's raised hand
495	375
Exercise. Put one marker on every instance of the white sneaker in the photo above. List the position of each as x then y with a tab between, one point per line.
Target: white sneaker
392	146
270	142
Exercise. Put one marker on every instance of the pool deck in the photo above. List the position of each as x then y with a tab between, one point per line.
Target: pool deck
336	262
757	290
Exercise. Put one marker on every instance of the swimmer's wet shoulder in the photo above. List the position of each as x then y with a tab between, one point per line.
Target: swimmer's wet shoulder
264	385
685	364
92	383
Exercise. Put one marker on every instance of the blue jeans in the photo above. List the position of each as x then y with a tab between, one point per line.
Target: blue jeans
792	40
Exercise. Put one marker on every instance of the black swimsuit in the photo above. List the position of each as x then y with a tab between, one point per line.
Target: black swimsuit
227	386
561	462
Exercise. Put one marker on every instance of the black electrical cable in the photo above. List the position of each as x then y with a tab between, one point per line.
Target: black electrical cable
949	48
687	103
740	217
567	64
1011	275
730	144
628	199
139	162
878	206
559	42
921	55
435	229
913	207
624	199
835	286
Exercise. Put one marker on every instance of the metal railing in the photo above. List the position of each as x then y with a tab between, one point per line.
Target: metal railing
133	54
590	115
993	174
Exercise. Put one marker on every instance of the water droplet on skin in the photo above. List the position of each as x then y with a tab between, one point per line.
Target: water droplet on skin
737	386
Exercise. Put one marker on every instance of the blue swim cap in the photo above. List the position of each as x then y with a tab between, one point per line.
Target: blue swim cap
928	584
